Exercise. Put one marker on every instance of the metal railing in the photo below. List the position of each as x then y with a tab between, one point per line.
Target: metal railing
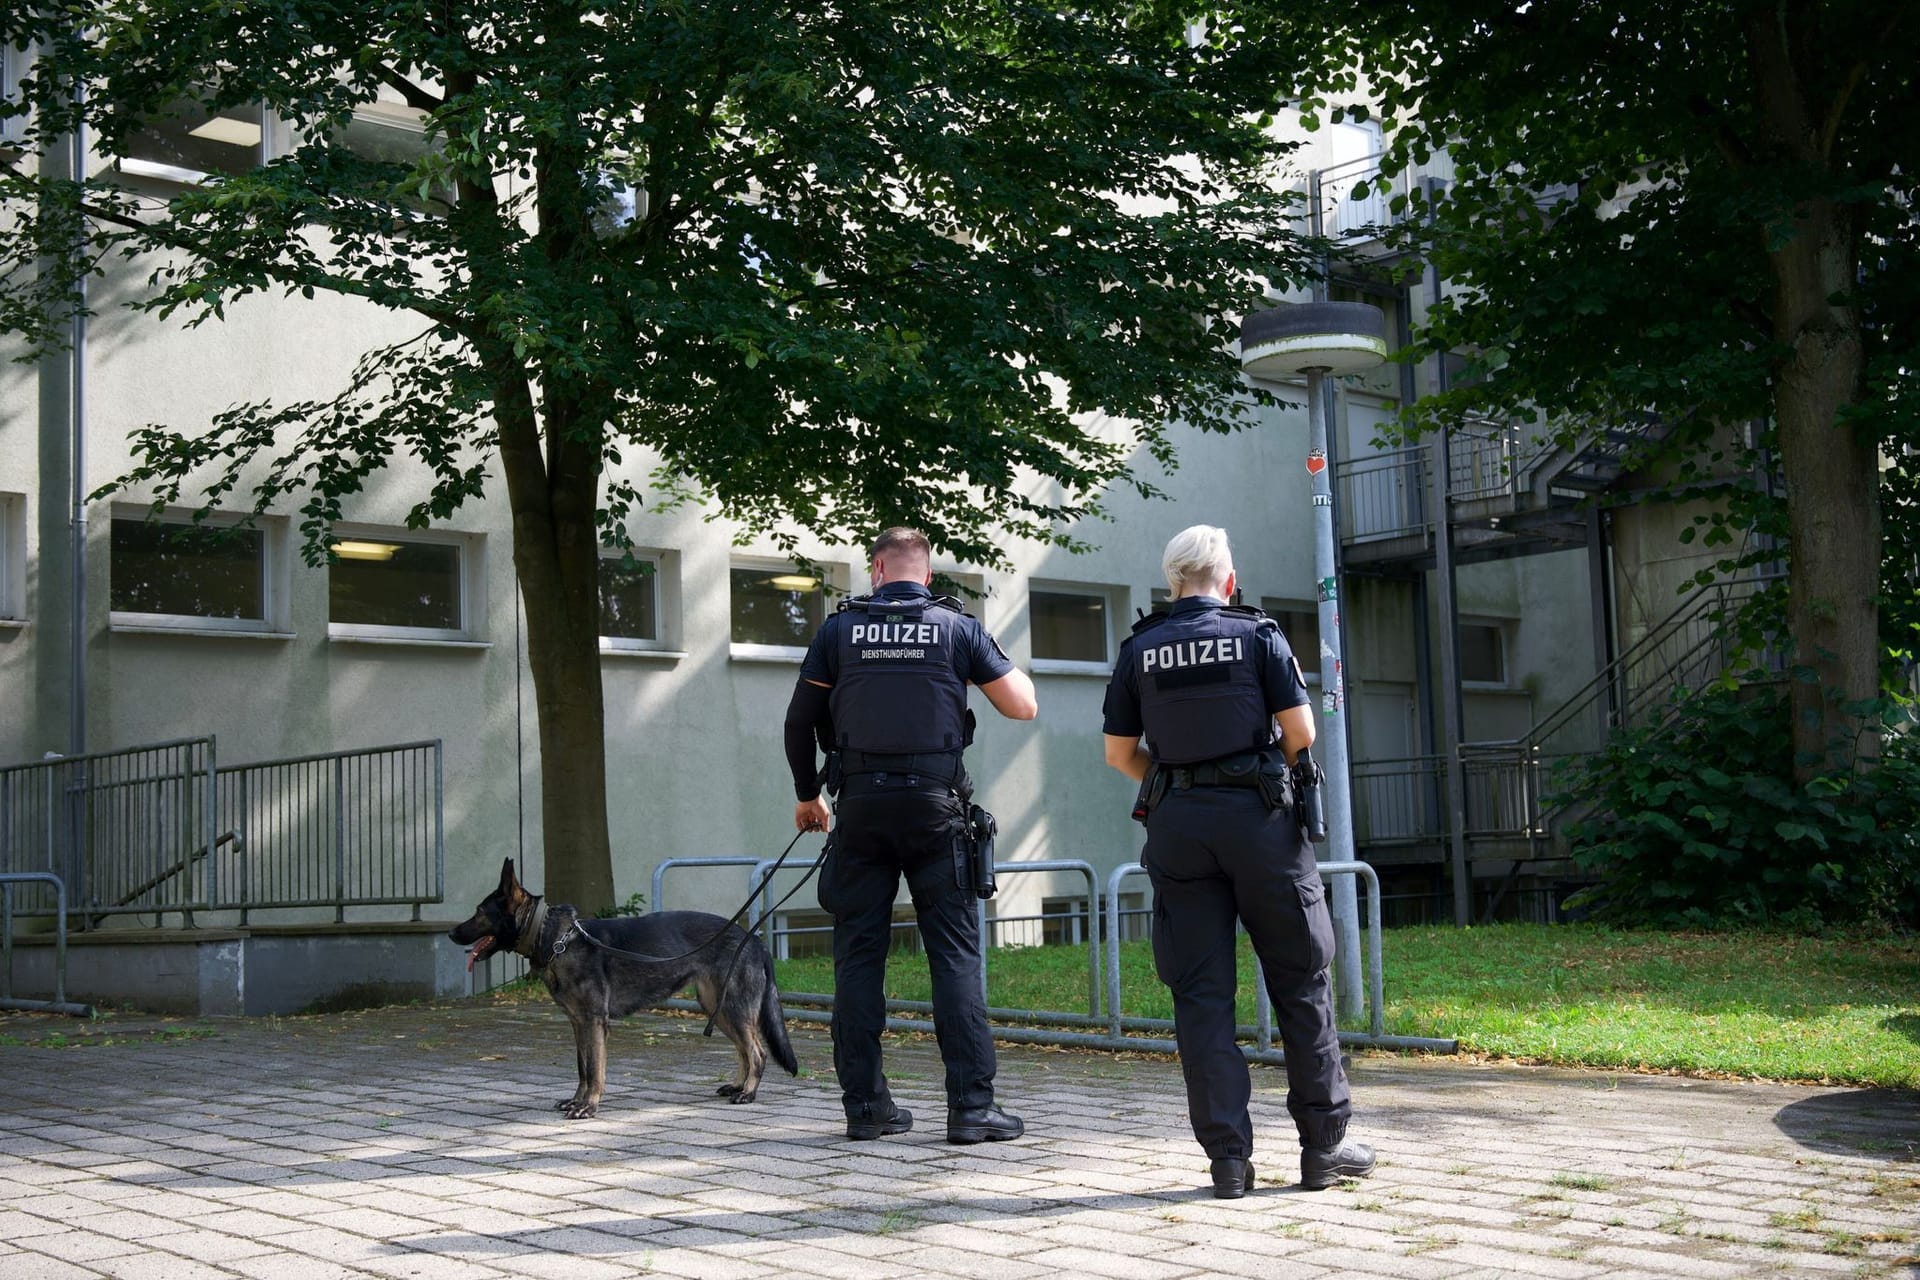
125	831
59	1003
1398	801
161	829
338	829
1108	1029
1509	781
1355	202
1383	496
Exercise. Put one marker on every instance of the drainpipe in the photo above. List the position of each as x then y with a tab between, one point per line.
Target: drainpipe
77	463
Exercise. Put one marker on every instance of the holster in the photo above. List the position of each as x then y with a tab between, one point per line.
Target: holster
1275	781
1153	789
832	777
1309	807
973	852
982	828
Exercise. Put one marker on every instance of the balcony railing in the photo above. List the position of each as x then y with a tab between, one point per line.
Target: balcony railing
1356	202
1383	496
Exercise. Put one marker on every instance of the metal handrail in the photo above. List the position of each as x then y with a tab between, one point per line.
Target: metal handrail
1111	1031
59	1003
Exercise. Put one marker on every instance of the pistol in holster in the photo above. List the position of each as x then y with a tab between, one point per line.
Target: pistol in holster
1153	789
1309	806
973	852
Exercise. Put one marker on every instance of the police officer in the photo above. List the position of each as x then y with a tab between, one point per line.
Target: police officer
1219	698
885	685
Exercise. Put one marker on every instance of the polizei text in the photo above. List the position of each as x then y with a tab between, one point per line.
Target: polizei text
1193	653
896	633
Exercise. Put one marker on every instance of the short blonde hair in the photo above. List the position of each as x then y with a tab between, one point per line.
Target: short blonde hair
1196	557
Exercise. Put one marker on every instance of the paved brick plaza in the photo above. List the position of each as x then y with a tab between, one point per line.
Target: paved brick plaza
410	1142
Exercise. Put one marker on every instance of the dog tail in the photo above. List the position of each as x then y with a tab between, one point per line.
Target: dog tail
773	1023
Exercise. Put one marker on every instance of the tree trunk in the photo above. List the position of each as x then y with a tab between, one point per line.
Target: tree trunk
556	550
1833	503
1831	466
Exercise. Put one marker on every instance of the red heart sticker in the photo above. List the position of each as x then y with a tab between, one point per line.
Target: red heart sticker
1316	461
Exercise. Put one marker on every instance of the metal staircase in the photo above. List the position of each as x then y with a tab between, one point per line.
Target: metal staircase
1509	782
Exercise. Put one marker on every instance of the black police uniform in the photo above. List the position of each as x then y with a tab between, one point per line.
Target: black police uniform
1202	684
898	665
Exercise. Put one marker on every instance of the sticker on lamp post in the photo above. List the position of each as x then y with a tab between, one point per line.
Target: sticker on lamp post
1316	461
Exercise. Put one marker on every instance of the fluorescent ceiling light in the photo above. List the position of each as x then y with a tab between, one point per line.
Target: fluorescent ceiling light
793	582
235	133
347	549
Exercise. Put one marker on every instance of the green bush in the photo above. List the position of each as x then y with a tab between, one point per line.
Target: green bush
1698	823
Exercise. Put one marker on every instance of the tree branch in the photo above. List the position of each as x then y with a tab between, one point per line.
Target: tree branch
417	98
168	236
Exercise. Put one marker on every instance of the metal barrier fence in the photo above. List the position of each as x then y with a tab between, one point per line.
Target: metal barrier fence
1106	1029
59	1003
161	829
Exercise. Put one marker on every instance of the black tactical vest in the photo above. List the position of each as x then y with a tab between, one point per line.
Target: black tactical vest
1198	674
897	692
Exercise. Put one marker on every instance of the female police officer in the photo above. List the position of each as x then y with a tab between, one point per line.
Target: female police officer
1211	686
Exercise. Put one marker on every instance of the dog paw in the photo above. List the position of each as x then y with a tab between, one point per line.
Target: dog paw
727	1090
742	1095
579	1110
566	1104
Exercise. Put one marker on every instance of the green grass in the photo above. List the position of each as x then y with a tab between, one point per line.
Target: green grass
1754	1005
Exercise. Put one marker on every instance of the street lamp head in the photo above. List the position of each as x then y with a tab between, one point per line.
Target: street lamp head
1317	337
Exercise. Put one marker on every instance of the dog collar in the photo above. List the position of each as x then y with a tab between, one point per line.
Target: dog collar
543	949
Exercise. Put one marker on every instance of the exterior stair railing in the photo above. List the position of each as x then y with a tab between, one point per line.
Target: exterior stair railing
1509	781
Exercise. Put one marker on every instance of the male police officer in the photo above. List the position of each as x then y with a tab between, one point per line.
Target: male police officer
889	674
1211	686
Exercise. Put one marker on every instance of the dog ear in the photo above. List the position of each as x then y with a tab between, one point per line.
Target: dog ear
507	879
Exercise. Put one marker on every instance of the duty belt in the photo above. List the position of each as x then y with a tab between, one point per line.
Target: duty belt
941	767
1229	771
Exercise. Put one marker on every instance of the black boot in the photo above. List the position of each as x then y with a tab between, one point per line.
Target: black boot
1232	1178
1321	1167
982	1124
867	1126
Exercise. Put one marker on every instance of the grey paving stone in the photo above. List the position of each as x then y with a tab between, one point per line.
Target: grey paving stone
384	1158
38	1266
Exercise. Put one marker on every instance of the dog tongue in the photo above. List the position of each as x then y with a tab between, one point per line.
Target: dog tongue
475	951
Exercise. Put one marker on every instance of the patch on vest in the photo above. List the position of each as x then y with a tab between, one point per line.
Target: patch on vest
1192	653
900	639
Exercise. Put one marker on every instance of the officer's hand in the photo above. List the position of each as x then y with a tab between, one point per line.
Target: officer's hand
811	815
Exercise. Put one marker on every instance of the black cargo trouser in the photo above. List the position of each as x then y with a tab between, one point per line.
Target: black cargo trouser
1217	854
883	831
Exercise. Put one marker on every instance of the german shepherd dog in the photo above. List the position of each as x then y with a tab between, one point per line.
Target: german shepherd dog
600	970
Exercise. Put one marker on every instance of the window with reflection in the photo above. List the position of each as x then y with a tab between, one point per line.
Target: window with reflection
630	597
1300	624
776	605
1483	653
169	568
391	582
187	142
1069	626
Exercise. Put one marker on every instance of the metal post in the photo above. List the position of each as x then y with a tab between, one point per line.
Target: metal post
1332	738
1451	717
439	824
339	841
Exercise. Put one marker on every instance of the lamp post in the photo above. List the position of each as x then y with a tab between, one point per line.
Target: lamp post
1317	339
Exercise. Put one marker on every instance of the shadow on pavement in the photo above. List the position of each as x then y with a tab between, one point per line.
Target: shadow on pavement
1879	1123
